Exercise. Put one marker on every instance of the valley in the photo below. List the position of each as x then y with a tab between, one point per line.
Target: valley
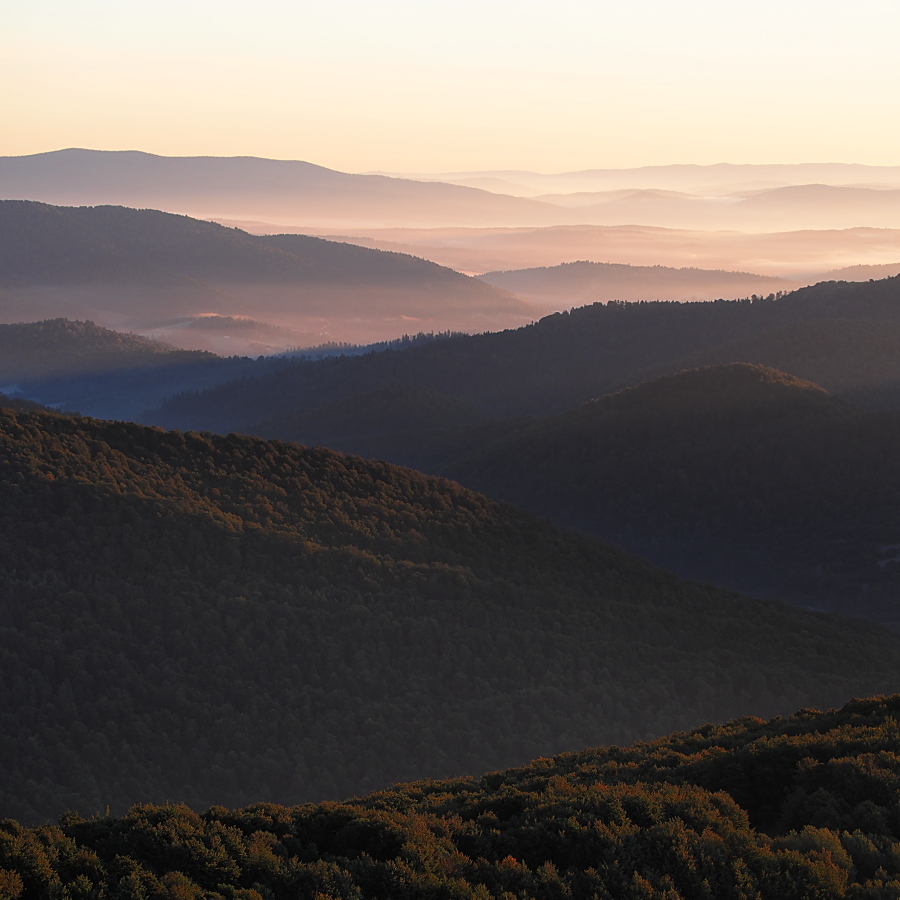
287	520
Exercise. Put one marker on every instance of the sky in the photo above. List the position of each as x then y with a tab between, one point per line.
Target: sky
402	86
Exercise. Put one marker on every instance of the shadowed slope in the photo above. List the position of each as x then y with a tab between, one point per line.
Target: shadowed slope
736	474
224	619
561	361
140	268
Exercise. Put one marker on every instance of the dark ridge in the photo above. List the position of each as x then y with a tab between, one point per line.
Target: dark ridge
567	358
736	474
223	619
798	808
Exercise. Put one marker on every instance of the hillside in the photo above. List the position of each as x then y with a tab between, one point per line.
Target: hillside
859	359
55	347
737	474
140	268
267	189
188	617
300	193
802	808
80	366
566	359
583	282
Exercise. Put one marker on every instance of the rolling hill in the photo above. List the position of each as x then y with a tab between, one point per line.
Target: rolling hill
59	347
856	358
568	358
798	808
138	269
583	282
80	366
738	474
188	617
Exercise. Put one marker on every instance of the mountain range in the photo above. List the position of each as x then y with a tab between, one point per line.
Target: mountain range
246	187
804	255
767	198
568	358
738	474
582	282
720	178
145	270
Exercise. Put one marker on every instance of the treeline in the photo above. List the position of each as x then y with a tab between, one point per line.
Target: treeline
63	347
227	620
342	348
78	365
804	808
569	358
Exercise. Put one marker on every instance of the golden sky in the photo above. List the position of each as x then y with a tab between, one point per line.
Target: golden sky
418	86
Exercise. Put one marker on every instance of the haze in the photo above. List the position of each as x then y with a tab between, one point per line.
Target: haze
403	86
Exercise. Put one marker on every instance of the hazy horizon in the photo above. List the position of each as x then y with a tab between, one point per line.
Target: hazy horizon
400	86
514	135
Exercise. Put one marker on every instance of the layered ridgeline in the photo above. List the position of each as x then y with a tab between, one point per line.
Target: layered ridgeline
568	358
260	189
208	619
583	282
79	365
800	808
154	271
751	198
736	474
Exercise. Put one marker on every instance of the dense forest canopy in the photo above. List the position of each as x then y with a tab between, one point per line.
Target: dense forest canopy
736	474
568	358
804	808
229	620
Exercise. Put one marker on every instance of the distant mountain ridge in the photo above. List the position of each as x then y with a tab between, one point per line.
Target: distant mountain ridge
803	807
245	186
141	268
681	177
582	282
772	198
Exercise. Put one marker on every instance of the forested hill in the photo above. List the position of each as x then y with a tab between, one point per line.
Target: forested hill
568	358
60	347
736	474
81	366
581	282
148	270
46	244
222	619
804	808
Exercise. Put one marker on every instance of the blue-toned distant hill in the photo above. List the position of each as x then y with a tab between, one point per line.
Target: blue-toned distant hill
803	808
73	365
